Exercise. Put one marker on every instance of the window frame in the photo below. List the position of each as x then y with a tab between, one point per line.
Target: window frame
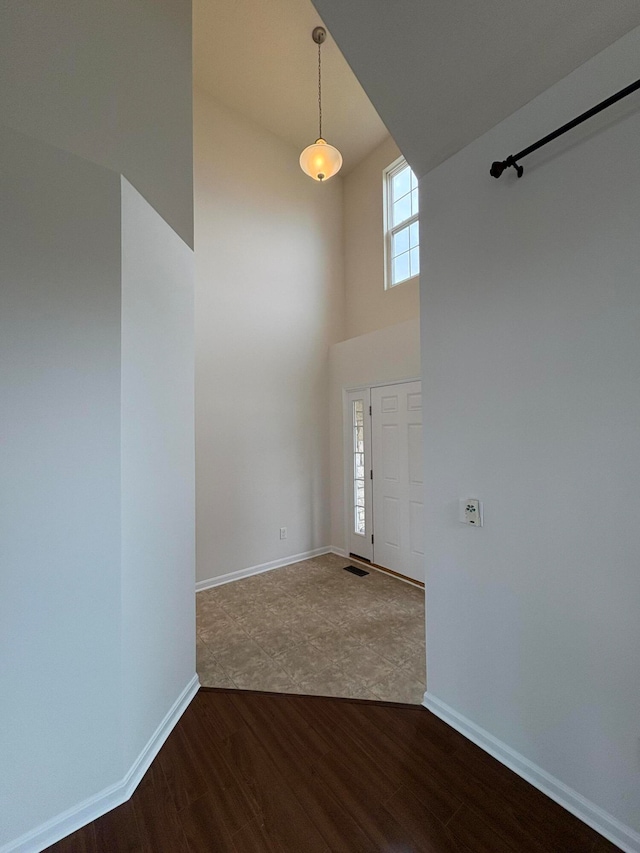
389	229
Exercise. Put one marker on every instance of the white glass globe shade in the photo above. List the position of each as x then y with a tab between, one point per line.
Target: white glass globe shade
320	161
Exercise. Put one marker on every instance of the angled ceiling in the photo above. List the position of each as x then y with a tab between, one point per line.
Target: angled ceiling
257	57
443	72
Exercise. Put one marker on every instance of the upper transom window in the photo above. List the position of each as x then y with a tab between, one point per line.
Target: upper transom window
402	237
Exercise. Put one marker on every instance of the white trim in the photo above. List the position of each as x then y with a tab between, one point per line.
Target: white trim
64	824
257	570
143	761
346	476
606	824
381	383
359	543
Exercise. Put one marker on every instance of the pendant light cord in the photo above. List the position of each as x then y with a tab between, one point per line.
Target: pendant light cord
319	93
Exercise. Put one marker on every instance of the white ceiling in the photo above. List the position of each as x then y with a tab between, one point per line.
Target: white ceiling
443	72
257	57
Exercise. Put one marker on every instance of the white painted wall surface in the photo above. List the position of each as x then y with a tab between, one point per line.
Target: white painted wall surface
269	303
387	355
60	735
531	359
157	458
109	80
368	305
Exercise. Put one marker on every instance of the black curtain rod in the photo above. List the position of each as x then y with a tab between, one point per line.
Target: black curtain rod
498	166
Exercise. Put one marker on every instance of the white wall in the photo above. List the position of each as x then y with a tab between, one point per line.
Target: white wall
109	80
269	303
387	355
158	475
531	358
97	492
96	440
60	484
368	305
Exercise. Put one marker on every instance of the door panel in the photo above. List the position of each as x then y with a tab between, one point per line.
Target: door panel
398	478
416	529
391	522
414	451
390	452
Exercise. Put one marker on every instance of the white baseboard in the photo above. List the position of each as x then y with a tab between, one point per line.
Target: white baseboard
256	570
94	807
339	552
623	836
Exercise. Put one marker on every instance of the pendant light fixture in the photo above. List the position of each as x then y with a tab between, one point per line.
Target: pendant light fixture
320	161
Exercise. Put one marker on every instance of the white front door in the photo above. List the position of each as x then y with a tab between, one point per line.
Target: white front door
397	478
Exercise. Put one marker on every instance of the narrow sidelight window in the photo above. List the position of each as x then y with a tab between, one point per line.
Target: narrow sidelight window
358	467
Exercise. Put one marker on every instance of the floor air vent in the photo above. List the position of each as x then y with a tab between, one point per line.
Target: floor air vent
356	571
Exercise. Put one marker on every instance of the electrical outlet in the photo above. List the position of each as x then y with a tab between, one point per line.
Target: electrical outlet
283	532
470	512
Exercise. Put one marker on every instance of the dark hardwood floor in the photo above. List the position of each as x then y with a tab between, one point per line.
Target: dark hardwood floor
248	772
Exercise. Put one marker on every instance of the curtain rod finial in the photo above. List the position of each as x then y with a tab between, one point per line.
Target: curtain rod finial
498	167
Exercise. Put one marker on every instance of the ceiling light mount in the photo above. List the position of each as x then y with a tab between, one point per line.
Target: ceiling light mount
319	35
320	161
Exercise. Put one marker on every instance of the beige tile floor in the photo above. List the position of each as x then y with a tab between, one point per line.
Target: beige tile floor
313	628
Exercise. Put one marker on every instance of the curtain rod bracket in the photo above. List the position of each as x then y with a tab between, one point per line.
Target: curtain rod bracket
498	167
